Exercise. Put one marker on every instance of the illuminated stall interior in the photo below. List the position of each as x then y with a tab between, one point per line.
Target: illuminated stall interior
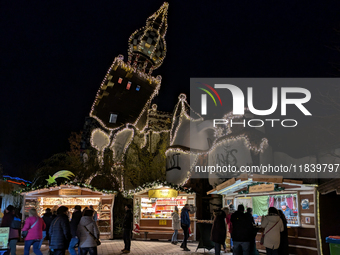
298	201
70	196
153	209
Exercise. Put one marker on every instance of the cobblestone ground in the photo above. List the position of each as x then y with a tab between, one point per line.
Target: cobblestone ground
109	247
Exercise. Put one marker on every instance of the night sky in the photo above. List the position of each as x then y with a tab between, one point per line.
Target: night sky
54	55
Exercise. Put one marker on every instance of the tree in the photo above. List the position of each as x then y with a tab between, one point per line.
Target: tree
146	164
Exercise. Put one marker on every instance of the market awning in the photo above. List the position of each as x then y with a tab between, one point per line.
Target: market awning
330	186
232	186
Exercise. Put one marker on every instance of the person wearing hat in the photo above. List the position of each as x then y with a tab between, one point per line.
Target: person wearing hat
175	225
286	210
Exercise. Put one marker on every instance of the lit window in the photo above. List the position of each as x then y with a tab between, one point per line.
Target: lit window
120	80
138	88
128	85
113	118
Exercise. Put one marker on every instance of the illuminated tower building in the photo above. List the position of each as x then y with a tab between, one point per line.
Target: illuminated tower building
125	94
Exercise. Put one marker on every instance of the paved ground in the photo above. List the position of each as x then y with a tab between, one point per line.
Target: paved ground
111	247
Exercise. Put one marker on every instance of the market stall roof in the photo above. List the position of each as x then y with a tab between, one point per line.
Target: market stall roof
65	190
156	185
330	186
232	186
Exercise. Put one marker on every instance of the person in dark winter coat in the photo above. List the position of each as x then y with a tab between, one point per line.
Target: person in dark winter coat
242	234
76	216
47	217
218	230
87	230
13	233
60	234
127	225
185	224
284	247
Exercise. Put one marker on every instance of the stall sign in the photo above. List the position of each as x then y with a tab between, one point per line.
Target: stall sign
162	193
261	188
70	192
267	178
162	222
4	235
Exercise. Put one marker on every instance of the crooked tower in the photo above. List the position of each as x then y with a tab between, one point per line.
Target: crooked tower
128	88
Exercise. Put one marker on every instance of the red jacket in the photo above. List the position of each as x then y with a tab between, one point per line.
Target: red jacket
34	233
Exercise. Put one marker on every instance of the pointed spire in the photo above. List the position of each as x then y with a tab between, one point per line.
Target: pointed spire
147	47
159	20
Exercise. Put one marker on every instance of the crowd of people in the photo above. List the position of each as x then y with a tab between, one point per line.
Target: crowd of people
82	230
240	226
62	234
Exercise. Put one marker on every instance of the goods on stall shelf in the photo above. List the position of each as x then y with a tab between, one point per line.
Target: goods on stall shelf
161	207
260	205
71	196
69	201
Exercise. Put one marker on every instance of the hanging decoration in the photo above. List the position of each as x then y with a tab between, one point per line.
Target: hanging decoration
60	174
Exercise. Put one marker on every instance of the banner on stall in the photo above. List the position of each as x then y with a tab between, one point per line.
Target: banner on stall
4	235
162	193
262	188
70	192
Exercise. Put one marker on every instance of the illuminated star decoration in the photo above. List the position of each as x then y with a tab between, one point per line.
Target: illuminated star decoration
63	173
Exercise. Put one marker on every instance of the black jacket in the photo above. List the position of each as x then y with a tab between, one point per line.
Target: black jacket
219	231
47	219
242	227
76	216
60	234
128	220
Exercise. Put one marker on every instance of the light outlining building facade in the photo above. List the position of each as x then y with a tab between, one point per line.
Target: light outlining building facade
122	106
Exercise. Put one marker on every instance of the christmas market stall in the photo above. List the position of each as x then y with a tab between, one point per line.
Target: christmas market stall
153	205
298	201
70	195
8	186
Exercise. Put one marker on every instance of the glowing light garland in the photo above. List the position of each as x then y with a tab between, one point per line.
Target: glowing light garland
154	61
15	178
156	184
70	184
119	61
183	113
100	152
219	133
128	127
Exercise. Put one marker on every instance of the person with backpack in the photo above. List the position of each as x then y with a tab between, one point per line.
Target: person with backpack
14	223
60	234
32	232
